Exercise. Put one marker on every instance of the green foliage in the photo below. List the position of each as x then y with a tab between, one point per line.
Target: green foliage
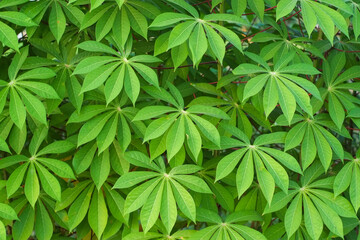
179	119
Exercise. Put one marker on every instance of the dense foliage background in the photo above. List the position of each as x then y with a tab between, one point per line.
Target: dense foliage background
174	119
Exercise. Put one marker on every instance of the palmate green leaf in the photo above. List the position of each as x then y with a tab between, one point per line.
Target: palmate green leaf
343	179
168	209
179	54
329	216
245	173
57	21
79	208
247	68
3	146
100	169
92	128
168	18
323	149
91	63
207	129
8	36
276	170
192	182
354	188
159	126
197	43
180	33
229	35
17	18
41	89
266	181
293	215
105	24
115	203
33	105
138	196
17	109
114	84
147	73
93	16
193	137
229	162
295	136
151	209
184	200
336	111
97	77
7	212
132	178
308	148
70	194
175	137
131	84
138	21
107	134
312	218
255	85
93	46
15	179
24	227
59	167
49	183
83	157
216	43
37	73
284	7
287	101
152	112
98	213
43	224
32	185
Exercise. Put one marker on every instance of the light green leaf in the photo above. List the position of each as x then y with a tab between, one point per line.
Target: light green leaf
168	209
23	228
227	164
49	183
312	218
184	200
98	213
8	36
266	181
293	215
284	7
91	129
208	129
151	209
175	137
79	208
43	225
97	77
16	109
354	189
100	169
107	134
131	84
180	33
57	21
245	173
138	196
32	186
132	178
33	105
168	18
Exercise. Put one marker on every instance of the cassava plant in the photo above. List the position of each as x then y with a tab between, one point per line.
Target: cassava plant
179	119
